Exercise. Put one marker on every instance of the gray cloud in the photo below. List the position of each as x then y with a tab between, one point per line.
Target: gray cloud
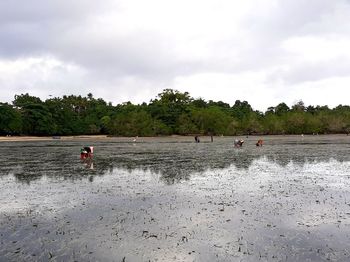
32	28
113	49
311	72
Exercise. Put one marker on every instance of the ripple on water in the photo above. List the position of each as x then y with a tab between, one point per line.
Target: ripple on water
176	201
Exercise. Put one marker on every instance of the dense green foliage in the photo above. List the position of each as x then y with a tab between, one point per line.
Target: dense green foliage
171	112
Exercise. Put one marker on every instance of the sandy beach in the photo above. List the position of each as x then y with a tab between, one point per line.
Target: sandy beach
47	138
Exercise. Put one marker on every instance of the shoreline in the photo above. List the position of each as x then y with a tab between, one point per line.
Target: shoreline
49	138
107	137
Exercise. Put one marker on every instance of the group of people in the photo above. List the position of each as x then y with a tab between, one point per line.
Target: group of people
197	140
239	142
236	143
87	151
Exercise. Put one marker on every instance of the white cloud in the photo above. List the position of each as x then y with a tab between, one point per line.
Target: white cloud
265	51
317	49
331	91
41	77
227	87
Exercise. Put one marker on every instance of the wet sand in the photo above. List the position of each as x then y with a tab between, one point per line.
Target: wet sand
174	200
48	138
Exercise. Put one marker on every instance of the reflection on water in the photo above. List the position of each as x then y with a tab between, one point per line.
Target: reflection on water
173	200
174	161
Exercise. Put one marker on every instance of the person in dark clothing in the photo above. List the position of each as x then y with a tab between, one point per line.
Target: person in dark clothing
87	149
238	143
259	143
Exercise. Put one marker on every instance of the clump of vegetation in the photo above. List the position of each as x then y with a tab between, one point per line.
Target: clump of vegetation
171	112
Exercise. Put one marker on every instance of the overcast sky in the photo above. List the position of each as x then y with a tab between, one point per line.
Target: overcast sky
262	51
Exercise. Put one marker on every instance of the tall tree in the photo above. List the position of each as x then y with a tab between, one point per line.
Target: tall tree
10	120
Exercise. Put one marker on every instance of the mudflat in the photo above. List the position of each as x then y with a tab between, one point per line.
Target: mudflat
171	199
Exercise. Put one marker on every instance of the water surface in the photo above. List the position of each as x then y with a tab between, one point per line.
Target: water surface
170	199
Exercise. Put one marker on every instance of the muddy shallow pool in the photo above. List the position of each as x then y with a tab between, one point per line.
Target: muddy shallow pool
170	199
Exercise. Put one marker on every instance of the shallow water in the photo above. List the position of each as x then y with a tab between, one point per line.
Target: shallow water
171	199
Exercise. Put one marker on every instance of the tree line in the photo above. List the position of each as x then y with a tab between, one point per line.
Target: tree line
171	112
